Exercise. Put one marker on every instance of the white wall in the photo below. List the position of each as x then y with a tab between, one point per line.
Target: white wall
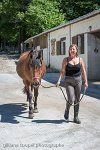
76	28
93	58
85	55
45	56
83	26
56	60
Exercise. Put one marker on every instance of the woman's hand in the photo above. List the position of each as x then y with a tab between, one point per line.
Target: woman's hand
61	72
86	84
84	73
57	84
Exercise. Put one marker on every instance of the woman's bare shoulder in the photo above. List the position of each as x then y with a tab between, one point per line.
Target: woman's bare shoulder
65	60
81	60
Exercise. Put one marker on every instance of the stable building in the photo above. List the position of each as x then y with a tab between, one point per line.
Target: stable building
83	31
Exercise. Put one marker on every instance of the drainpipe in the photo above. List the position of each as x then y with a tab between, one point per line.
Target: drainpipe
49	48
70	34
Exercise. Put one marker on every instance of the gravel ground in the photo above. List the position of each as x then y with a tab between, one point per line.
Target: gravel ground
7	65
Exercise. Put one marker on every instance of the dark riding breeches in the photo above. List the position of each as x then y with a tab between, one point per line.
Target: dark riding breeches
73	87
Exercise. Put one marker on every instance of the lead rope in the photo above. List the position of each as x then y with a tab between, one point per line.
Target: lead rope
65	96
74	103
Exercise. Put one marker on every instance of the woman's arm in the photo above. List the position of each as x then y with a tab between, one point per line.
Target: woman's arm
84	72
62	71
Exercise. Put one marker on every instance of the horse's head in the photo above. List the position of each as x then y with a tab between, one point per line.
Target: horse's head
37	67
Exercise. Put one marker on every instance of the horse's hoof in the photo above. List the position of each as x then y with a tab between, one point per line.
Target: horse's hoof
31	116
35	110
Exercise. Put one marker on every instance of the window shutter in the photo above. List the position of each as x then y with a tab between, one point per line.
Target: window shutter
53	46
58	47
74	40
64	47
82	44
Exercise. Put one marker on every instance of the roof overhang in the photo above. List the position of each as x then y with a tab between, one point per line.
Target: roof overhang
91	14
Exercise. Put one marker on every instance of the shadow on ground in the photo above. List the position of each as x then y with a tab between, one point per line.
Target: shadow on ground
49	121
9	112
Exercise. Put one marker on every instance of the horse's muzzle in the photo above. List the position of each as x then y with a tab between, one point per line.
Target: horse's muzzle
35	82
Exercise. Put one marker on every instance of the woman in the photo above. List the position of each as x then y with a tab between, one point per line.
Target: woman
73	67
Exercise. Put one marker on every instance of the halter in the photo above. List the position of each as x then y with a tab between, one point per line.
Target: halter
36	62
35	78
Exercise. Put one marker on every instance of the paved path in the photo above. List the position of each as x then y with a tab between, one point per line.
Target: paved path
48	130
93	89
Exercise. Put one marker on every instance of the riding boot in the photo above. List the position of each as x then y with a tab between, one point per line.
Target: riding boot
66	115
76	111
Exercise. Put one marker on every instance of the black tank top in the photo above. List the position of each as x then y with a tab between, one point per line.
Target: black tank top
73	70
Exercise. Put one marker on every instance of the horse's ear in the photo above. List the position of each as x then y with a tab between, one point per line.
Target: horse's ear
39	55
30	54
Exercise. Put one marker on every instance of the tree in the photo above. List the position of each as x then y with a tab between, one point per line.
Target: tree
75	8
42	15
12	19
21	19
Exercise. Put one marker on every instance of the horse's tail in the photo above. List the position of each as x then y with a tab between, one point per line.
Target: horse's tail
24	90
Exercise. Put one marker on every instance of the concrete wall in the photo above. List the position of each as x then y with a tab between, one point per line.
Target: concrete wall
45	56
93	58
56	60
83	26
70	31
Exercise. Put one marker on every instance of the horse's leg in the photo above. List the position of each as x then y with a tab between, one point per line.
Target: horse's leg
25	90
32	90
29	98
35	101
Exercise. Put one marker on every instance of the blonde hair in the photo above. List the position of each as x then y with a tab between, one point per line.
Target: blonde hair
75	47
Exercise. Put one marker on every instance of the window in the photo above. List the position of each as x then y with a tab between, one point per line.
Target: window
79	41
61	46
74	40
58	47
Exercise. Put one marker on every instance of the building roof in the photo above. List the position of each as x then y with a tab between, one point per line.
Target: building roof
91	14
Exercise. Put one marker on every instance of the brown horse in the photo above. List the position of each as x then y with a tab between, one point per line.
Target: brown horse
31	69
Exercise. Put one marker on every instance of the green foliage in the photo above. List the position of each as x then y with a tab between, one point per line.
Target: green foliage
75	8
42	15
20	19
12	19
30	16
